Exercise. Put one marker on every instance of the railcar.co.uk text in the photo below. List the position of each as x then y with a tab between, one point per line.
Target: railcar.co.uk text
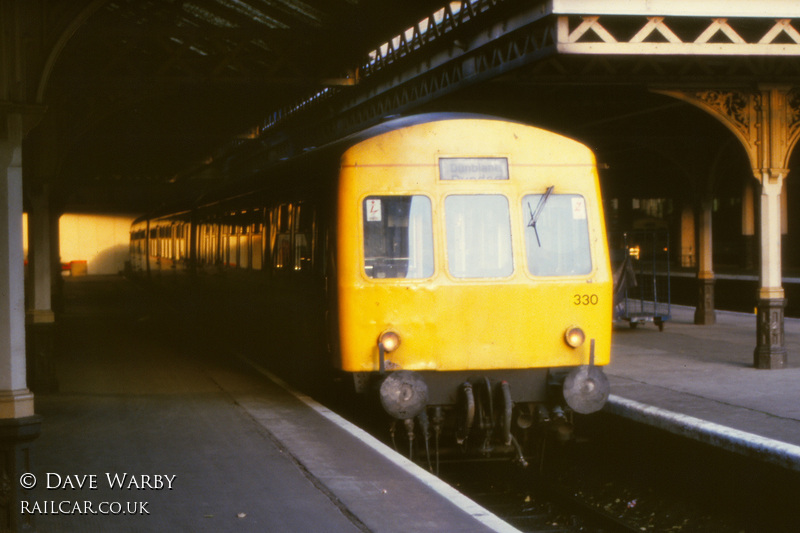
93	482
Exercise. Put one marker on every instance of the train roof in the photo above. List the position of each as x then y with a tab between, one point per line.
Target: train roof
393	123
389	124
255	168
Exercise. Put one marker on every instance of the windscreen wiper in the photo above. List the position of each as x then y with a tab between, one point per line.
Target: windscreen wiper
535	214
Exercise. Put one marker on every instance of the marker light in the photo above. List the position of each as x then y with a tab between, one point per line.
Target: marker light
575	336
389	341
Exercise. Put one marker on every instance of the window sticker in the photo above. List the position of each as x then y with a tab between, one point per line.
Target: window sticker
374	210
578	208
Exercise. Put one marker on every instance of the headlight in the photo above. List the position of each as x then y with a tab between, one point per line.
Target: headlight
575	336
389	341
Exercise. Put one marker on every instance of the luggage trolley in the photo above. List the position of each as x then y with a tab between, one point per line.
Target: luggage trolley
642	281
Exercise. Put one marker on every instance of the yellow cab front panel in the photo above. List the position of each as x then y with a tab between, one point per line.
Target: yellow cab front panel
478	242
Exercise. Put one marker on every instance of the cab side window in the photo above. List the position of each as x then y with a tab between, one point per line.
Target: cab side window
398	237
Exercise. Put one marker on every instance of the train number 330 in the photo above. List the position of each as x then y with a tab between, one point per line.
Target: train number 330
585	299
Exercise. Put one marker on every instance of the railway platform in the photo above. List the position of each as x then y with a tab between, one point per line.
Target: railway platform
151	431
699	381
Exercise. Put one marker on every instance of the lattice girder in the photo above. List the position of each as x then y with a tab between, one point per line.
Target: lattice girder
647	35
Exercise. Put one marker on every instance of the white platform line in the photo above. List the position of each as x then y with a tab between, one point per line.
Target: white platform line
774	451
478	512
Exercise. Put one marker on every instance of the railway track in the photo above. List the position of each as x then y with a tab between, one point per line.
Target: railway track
530	503
602	482
631	478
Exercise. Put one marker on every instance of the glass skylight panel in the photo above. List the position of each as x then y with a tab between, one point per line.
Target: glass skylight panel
250	12
301	8
207	16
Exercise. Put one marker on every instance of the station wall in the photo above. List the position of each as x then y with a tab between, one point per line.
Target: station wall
99	240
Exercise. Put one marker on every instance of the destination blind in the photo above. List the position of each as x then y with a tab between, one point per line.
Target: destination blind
473	168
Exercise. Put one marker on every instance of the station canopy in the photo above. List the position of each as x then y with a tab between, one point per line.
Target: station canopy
144	89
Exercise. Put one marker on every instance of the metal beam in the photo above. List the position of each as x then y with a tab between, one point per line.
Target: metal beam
458	49
678	8
660	35
455	48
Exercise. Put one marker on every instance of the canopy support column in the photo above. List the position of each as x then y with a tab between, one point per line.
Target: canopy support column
39	259
704	312
18	423
749	224
40	319
770	350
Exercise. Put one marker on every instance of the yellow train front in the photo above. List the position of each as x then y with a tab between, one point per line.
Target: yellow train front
473	286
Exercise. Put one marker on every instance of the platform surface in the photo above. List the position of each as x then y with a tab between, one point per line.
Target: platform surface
157	434
706	373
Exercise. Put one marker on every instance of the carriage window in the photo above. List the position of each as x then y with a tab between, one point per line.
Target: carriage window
153	242
203	237
181	238
244	246
282	248
398	237
257	241
478	236
213	253
556	234
303	237
232	245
